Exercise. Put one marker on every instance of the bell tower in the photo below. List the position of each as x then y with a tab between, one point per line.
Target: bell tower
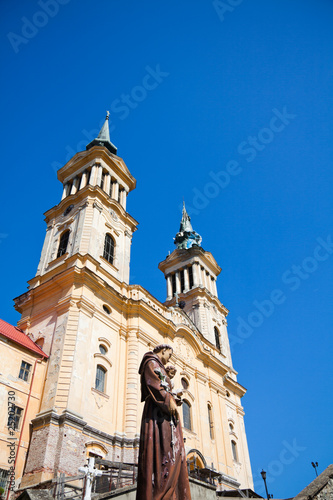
191	274
90	226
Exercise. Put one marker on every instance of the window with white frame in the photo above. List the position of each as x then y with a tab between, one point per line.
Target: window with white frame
25	371
187	415
100	380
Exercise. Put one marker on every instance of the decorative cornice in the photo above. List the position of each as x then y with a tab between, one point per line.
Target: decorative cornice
98	207
188	394
229	480
184	257
105	341
70	418
103	357
201	376
234	386
100	155
215	386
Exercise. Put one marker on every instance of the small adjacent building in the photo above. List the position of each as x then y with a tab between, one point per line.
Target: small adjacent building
22	374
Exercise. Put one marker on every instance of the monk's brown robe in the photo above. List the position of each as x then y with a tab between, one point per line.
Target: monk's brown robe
162	469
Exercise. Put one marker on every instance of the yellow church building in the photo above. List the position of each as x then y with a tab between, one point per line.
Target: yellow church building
94	327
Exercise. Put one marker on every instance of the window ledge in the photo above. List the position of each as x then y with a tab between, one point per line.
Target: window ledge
104	358
58	259
194	434
100	393
109	263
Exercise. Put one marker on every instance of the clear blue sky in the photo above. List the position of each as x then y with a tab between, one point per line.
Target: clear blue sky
231	111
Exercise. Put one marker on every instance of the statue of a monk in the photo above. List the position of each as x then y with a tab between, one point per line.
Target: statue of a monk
162	468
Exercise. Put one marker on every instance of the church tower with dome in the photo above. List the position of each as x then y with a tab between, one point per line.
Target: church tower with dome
94	328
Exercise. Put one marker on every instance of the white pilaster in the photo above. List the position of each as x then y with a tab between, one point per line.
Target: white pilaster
169	287
186	280
115	191
99	175
64	191
177	282
196	271
83	182
93	175
107	181
131	398
209	283
123	199
214	287
74	185
203	276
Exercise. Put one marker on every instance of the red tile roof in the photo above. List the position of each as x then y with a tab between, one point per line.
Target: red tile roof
14	333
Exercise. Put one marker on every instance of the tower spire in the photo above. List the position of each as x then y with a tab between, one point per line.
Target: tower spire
103	138
186	237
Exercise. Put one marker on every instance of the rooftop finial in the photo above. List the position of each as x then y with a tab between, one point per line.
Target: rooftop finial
186	237
103	138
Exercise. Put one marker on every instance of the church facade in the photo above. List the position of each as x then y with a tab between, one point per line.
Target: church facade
95	327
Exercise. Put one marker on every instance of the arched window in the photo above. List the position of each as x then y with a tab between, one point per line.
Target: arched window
187	415
184	383
234	450
100	378
210	421
217	338
102	349
63	243
108	253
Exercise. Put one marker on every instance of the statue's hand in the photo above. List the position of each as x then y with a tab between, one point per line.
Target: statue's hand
173	409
